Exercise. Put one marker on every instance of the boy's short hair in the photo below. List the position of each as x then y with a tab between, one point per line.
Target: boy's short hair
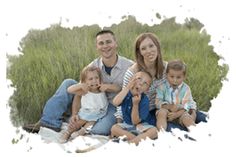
146	73
84	72
176	65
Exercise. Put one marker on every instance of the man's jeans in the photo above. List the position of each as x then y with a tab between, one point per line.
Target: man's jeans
61	101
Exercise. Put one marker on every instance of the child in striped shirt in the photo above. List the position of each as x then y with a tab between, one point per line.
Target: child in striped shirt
174	99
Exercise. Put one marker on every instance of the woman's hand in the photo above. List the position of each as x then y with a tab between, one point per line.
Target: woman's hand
103	87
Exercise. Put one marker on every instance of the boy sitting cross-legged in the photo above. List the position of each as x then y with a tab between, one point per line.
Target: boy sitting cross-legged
135	109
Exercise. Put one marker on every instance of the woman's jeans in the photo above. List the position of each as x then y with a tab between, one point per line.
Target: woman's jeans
61	101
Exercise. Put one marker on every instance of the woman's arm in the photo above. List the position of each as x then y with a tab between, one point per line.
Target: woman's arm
110	88
129	74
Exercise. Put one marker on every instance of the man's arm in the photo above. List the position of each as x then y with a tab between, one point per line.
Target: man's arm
110	88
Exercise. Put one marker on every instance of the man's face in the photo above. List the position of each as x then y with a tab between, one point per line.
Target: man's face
106	45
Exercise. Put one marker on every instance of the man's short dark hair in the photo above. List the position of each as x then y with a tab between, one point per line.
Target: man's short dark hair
105	32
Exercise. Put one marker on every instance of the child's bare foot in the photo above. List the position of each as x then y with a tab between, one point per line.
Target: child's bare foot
135	140
80	132
64	137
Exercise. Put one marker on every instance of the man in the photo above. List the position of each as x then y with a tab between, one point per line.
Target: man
113	68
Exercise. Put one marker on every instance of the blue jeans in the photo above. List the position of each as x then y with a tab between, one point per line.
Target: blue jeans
61	101
58	104
103	125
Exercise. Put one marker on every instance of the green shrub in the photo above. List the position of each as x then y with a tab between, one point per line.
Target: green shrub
49	56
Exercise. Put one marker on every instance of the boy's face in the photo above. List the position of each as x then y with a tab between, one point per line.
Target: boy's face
175	77
142	83
92	80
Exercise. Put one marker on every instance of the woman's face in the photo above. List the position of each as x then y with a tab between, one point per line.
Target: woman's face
148	50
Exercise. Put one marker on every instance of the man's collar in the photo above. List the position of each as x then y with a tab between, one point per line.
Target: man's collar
117	65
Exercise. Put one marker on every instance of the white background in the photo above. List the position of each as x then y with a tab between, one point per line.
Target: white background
19	16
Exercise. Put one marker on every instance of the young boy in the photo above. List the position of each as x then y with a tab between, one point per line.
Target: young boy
135	109
174	99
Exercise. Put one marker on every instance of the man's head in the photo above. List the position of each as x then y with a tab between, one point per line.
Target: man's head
176	71
106	44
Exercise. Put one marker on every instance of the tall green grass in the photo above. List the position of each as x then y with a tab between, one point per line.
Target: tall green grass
51	55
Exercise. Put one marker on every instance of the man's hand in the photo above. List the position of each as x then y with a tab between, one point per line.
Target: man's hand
103	87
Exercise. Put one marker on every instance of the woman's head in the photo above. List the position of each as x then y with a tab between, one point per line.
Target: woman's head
91	76
147	50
